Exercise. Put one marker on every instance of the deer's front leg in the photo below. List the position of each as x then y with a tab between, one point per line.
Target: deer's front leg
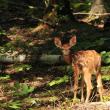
76	75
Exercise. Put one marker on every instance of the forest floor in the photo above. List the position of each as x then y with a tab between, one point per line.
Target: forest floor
44	88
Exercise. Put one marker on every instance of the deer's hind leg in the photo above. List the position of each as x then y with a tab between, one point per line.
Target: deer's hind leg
99	85
82	88
87	79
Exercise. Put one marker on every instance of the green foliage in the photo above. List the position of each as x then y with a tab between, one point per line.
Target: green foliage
106	98
106	77
59	80
22	89
11	105
105	57
16	47
22	67
15	105
2	32
8	48
6	77
81	6
105	69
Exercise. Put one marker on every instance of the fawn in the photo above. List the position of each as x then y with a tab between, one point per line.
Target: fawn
86	63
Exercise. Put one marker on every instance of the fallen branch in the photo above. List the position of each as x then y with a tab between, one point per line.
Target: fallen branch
23	58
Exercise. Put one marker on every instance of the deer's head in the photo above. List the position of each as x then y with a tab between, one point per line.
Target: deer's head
65	47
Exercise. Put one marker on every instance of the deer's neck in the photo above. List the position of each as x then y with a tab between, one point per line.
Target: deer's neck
68	58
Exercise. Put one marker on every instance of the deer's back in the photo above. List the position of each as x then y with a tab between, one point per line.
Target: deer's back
89	59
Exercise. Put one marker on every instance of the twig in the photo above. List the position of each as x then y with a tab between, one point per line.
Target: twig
46	22
80	13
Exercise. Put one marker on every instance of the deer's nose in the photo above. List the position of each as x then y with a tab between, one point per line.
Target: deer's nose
66	46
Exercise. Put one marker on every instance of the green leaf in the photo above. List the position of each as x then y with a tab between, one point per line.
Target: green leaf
106	77
59	80
17	85
22	67
15	105
22	89
5	77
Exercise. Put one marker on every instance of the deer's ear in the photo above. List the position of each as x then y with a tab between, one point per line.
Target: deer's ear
72	41
57	42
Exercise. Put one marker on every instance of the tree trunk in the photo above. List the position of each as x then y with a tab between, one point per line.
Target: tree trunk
98	8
